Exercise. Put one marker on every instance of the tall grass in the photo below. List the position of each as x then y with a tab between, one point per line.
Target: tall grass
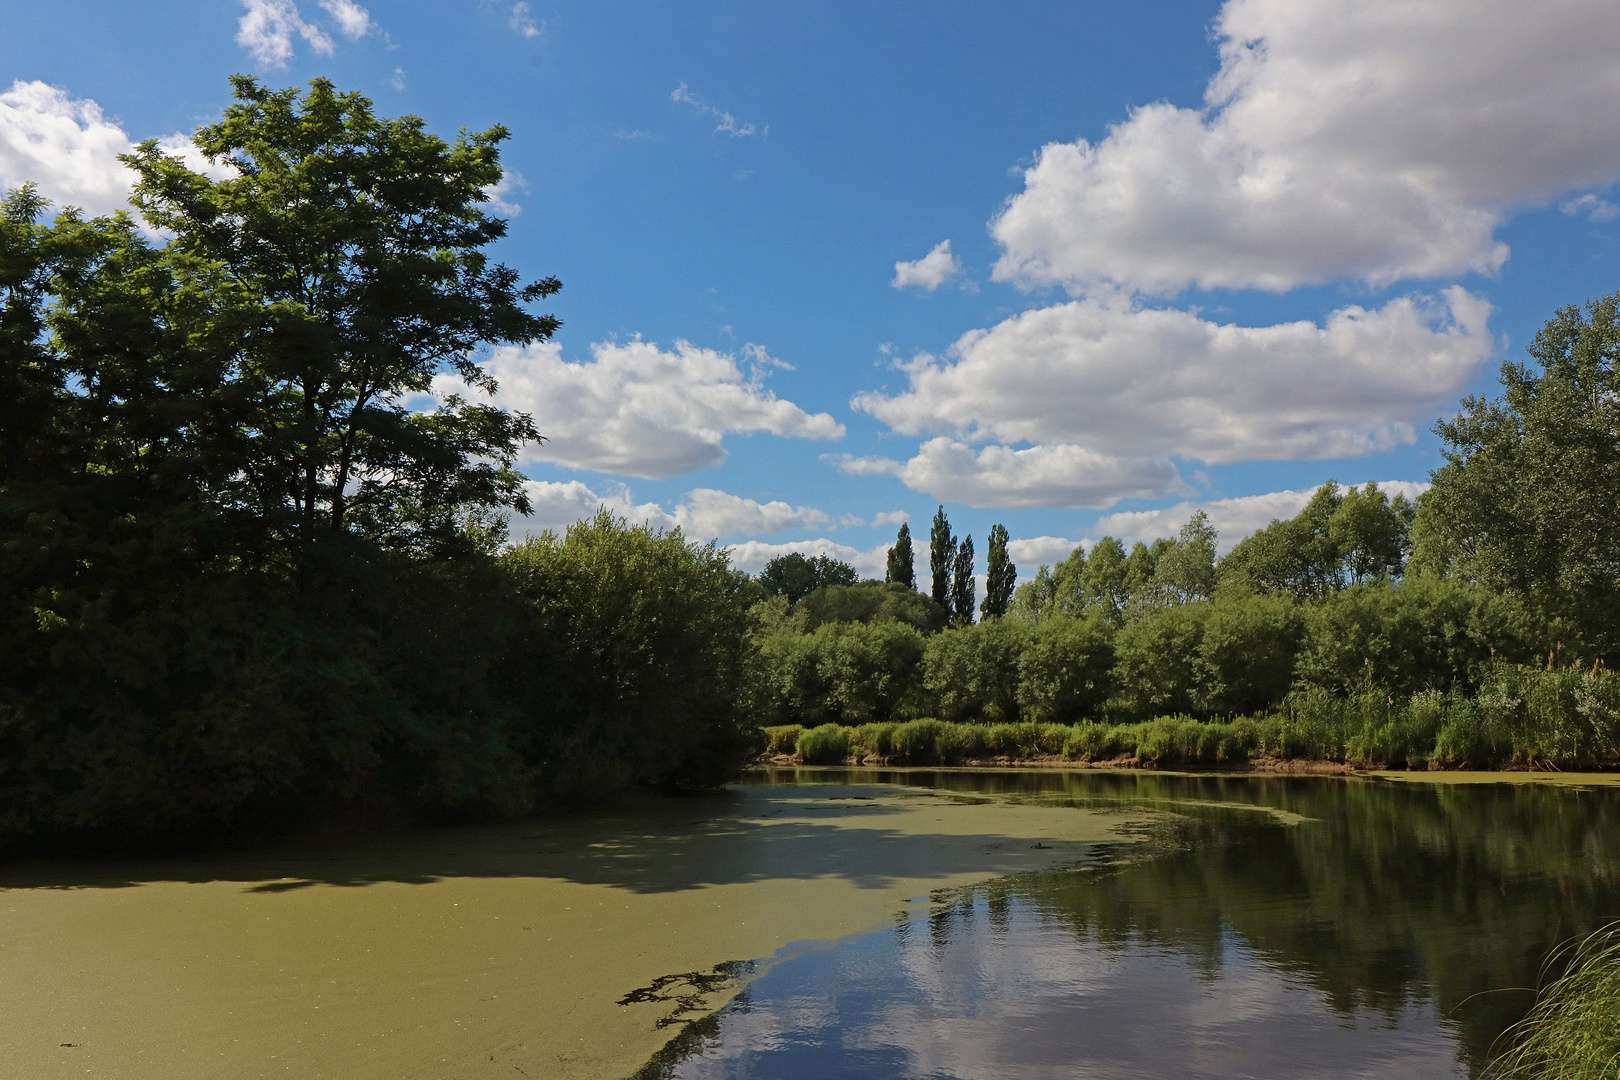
1524	717
1573	1032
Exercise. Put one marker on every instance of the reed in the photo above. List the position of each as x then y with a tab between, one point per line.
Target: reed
1573	1031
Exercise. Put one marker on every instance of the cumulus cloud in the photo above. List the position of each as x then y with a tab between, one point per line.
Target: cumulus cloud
1121	380
69	148
1058	474
702	514
1033	552
353	21
724	121
929	272
639	410
1595	208
752	555
267	30
890	517
1233	518
1338	138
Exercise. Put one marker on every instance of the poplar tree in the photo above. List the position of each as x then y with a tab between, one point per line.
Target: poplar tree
900	570
941	558
1000	575
962	584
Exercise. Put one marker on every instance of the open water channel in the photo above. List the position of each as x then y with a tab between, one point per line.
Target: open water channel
821	923
1269	927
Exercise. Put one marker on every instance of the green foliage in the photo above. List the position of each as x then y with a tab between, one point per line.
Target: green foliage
1185	571
782	738
870	601
1157	668
916	741
1573	1031
901	569
941	560
645	649
795	576
1246	654
824	745
1530	491
1000	575
1065	671
230	556
962	584
1425	633
850	672
972	671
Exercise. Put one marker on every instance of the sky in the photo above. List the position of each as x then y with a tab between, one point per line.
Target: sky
1078	268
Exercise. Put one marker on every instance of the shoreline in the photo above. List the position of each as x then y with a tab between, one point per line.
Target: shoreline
1515	774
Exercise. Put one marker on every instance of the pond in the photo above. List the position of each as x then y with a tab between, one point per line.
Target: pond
823	922
1271	927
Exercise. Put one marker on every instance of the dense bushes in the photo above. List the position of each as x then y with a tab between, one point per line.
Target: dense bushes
1563	718
641	638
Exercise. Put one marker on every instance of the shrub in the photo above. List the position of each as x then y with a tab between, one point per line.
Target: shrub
782	738
824	745
915	742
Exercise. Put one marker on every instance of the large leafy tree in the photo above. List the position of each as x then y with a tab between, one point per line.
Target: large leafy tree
1529	497
343	259
220	516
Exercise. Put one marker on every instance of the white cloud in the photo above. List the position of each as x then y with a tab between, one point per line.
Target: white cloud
1037	551
522	22
752	555
1119	380
1339	138
1056	474
353	20
69	148
724	121
890	517
65	145
929	272
499	194
398	83
268	29
1233	518
1594	208
640	410
703	513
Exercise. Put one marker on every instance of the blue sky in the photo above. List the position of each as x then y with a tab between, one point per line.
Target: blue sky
1198	253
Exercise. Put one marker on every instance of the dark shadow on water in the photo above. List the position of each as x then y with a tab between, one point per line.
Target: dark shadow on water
649	845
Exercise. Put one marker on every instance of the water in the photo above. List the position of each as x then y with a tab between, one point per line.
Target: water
1277	927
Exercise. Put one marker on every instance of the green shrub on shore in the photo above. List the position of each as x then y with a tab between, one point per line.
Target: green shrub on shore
1560	718
824	745
1573	1032
782	738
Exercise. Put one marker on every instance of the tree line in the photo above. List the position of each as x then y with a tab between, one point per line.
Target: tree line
244	577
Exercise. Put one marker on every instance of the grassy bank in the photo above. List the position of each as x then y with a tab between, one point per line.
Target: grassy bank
1519	718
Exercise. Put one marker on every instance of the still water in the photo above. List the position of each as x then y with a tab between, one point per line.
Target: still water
1270	927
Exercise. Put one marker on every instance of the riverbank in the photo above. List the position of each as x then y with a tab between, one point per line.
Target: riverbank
1329	739
568	946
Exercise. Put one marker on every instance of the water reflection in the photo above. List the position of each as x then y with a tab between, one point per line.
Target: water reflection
1285	927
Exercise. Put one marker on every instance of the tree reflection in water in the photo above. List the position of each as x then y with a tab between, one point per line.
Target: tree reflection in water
1281	926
